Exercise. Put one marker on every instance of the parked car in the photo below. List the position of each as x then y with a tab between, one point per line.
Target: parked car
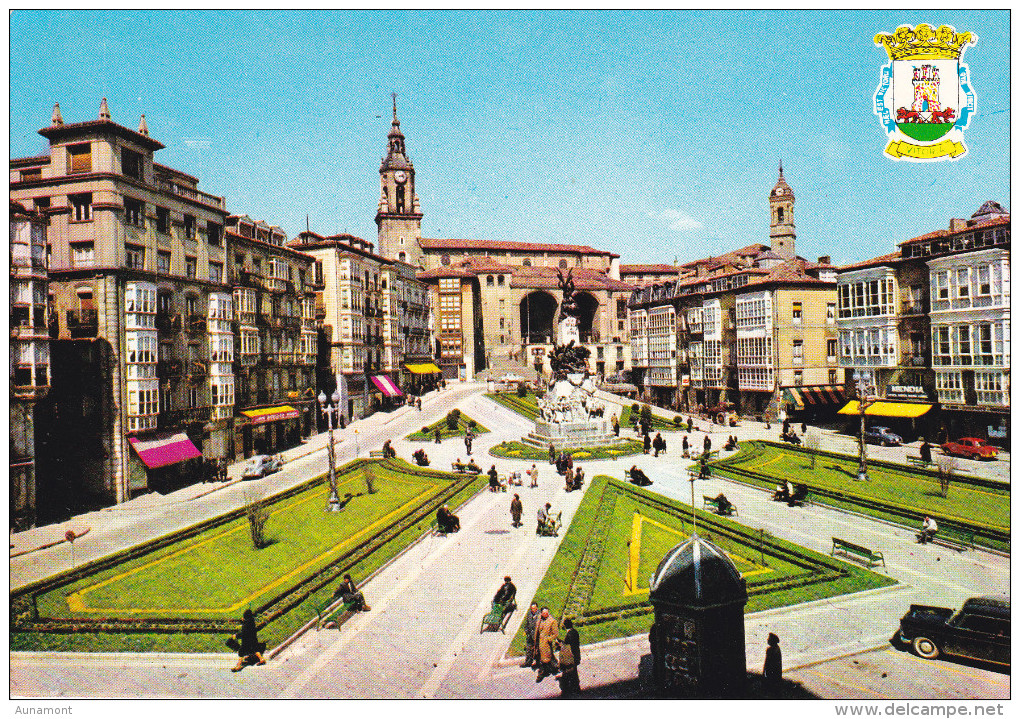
882	435
971	447
262	464
980	630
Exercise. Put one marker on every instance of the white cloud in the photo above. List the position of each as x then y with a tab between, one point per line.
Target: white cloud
677	220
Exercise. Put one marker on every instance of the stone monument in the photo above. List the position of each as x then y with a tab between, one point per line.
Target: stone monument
569	413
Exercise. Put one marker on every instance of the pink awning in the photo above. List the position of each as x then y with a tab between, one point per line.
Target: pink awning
164	450
385	385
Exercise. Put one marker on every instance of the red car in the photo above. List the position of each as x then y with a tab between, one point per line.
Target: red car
971	447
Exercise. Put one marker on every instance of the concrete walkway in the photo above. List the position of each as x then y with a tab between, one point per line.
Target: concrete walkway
422	637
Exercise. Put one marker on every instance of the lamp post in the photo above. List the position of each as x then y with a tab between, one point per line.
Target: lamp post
865	398
331	412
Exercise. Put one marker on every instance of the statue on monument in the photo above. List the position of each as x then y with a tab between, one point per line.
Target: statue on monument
568	306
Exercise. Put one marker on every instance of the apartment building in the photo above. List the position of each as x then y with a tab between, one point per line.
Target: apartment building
138	291
30	355
931	321
275	334
752	329
372	309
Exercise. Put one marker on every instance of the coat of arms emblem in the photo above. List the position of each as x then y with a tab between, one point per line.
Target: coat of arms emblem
924	99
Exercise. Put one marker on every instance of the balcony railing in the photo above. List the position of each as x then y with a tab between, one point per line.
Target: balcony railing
197	369
169	368
249	279
915	360
82	323
292	323
167	322
196	324
191	193
177	418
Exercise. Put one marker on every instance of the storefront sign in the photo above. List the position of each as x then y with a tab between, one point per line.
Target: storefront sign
538	351
905	391
685	380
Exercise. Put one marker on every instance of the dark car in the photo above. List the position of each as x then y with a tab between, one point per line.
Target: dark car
882	435
970	447
980	630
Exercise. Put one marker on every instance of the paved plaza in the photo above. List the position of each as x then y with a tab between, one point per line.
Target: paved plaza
422	640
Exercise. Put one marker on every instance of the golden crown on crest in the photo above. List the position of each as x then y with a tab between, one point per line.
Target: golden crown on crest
925	42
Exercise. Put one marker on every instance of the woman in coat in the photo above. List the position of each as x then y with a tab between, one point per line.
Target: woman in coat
251	647
516	508
546	634
570	658
773	669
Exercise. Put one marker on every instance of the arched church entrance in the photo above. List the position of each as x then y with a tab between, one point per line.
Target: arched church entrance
538	317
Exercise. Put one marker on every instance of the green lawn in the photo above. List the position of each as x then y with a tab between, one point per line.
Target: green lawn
601	571
897	493
518	450
463	422
195	584
527	407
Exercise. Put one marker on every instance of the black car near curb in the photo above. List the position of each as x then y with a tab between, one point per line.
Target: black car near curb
980	630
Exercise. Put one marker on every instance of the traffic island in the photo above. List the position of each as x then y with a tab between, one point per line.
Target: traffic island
185	592
519	450
454	424
600	574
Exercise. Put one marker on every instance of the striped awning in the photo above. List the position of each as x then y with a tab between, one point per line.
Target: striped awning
270	414
909	410
814	395
426	368
386	385
164	449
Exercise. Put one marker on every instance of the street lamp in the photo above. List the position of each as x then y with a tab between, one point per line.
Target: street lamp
331	412
865	398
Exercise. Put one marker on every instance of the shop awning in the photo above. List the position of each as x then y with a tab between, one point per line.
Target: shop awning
909	410
270	414
814	395
385	385
164	450
427	368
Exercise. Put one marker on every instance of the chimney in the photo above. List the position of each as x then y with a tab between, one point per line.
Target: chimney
957	224
104	110
56	119
825	260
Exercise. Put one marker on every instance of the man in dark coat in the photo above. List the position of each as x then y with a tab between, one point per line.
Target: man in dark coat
570	658
708	444
493	479
530	624
638	477
773	669
437	436
516	509
686	446
506	595
351	595
647	443
659	444
925	451
250	648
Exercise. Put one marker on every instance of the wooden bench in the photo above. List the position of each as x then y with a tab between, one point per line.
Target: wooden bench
850	549
464	469
711	503
552	527
335	609
916	461
497	618
954	537
377	453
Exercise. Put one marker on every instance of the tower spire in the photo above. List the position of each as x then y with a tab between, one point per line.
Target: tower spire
57	119
780	167
394	107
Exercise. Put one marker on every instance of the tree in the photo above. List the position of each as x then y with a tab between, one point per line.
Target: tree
256	509
811	445
522	391
646	413
451	420
946	467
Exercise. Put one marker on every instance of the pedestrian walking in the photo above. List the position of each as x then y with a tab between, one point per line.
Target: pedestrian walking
249	649
530	627
570	659
647	443
708	444
417	403
658	444
803	428
533	473
616	425
494	485
568	478
516	509
467	442
773	669
686	447
437	436
547	633
552	454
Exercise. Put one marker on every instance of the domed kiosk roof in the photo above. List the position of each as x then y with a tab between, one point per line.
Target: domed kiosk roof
697	572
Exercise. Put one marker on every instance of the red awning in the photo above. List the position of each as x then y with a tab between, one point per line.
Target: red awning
164	450
386	385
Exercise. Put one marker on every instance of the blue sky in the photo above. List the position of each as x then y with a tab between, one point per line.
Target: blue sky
655	135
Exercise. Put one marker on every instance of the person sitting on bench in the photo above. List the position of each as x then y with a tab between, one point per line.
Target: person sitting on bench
387	450
723	505
420	458
578	479
638	477
472	467
731	443
925	451
506	596
800	492
447	520
780	495
348	590
928	529
543	517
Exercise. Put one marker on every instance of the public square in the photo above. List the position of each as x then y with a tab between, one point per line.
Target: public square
422	640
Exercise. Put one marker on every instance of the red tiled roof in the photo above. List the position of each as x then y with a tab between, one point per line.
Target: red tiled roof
430	243
994	222
891	258
584	279
648	269
269	246
54	132
443	272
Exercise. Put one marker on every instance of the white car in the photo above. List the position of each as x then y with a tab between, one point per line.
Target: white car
262	464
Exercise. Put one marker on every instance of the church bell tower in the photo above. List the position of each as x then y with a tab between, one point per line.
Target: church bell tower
783	232
399	214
